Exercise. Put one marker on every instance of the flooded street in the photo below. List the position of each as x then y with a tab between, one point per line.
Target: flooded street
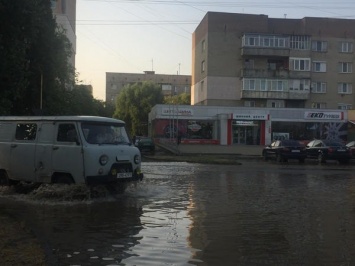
256	213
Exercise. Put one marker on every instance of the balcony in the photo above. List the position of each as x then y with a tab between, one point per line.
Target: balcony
265	51
264	73
280	95
280	73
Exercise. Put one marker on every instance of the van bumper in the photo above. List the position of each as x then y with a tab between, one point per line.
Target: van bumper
111	179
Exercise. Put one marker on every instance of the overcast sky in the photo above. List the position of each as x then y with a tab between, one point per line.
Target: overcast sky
133	36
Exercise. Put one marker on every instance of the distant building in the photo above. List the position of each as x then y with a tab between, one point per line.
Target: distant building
245	60
65	15
170	84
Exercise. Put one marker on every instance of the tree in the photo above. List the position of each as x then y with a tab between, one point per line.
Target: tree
183	98
134	103
34	61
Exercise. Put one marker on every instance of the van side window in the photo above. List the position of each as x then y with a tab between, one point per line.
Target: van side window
67	133
26	131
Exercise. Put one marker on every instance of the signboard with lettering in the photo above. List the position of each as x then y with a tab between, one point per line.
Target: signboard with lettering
314	115
250	116
175	111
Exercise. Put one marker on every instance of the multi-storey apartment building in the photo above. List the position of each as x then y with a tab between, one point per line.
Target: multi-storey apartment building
170	84
65	15
257	61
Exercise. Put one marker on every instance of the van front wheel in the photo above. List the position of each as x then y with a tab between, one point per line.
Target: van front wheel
63	179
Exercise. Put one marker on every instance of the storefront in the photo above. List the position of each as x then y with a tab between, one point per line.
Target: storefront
249	128
308	124
244	126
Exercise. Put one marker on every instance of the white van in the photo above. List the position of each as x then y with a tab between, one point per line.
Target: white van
67	149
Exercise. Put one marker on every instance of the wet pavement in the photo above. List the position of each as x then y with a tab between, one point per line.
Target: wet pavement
256	213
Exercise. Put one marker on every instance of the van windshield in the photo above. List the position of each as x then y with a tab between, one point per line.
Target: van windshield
105	133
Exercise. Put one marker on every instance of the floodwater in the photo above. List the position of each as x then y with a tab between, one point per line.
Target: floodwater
256	213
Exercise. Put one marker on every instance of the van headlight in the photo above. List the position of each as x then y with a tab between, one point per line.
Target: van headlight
103	159
137	159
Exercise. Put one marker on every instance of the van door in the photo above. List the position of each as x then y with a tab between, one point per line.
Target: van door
67	157
22	158
44	150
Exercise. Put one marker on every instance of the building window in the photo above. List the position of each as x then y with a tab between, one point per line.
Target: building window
249	104
203	65
249	84
346	47
344	106
300	64
345	67
203	45
345	88
202	84
300	42
275	104
319	46
263	85
272	41
249	63
316	105
319	87
319	66
299	85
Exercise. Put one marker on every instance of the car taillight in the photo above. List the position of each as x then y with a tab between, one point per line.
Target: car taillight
330	150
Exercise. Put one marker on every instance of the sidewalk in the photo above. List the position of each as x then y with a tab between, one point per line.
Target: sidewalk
245	150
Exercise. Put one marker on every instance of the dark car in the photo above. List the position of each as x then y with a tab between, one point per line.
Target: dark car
351	146
146	144
324	150
282	150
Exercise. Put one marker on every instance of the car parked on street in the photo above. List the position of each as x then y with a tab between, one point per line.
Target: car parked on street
146	144
351	146
283	150
324	150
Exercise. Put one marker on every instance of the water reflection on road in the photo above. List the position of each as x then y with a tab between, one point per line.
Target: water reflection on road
192	214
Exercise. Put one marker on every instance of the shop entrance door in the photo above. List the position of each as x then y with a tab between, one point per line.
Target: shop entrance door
244	135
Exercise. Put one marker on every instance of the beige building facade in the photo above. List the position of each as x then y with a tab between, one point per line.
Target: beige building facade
247	60
170	84
65	15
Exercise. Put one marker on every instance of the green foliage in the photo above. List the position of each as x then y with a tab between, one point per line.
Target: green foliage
80	101
183	98
32	48
134	103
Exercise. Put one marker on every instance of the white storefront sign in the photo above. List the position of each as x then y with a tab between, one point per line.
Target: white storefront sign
324	115
177	111
250	116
